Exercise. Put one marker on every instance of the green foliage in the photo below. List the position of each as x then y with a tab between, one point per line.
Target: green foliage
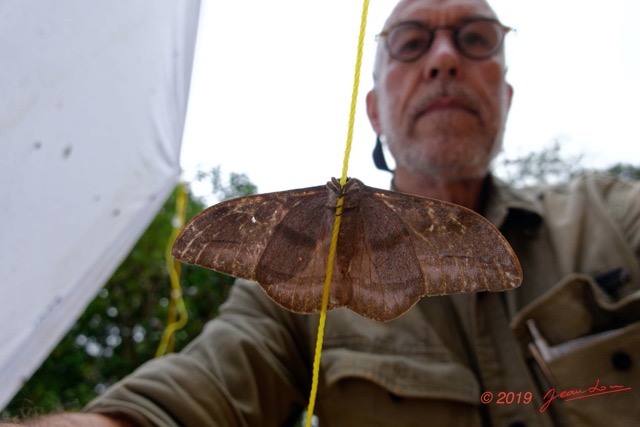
625	171
546	166
121	328
239	185
549	166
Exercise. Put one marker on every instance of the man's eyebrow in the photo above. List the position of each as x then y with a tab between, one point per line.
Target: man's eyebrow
478	17
426	23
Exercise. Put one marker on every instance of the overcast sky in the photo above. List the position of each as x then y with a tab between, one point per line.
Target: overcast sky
272	84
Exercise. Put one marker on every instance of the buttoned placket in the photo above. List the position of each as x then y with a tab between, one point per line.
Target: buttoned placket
502	365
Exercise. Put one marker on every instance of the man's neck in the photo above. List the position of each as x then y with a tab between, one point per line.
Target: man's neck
467	193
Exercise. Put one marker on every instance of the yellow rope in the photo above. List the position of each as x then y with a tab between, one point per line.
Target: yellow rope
336	223
178	315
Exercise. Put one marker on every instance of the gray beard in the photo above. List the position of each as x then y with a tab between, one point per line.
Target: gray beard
455	166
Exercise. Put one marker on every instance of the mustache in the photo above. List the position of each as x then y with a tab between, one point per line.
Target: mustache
454	94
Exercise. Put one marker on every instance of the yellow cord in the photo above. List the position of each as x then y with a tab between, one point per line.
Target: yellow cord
336	223
354	94
178	315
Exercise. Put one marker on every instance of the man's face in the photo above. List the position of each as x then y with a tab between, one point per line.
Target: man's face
442	115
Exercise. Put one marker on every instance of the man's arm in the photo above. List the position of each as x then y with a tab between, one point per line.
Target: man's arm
249	366
73	420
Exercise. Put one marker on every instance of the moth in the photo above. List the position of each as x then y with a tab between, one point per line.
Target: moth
392	248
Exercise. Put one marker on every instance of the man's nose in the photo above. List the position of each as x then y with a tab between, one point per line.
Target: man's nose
443	58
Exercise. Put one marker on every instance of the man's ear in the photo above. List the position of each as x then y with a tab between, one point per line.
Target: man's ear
372	110
509	96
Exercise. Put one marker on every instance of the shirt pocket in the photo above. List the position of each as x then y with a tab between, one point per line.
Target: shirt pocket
361	388
585	349
415	376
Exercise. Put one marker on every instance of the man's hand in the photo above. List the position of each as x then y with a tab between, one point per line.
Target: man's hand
74	420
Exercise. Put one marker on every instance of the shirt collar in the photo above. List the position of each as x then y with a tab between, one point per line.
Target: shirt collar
508	207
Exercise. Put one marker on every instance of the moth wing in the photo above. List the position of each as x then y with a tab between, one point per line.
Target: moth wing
384	271
458	250
231	236
293	266
393	249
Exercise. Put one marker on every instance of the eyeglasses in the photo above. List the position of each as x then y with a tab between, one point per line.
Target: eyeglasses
477	38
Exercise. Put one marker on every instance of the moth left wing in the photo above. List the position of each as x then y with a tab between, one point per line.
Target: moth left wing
293	267
231	236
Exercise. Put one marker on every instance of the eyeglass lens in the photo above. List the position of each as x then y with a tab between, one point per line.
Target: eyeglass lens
479	39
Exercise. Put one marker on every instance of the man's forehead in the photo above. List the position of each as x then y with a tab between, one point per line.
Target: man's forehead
419	9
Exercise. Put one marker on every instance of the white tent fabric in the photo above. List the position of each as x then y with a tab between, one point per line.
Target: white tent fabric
93	98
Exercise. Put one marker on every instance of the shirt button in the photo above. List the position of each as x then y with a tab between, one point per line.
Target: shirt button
621	361
395	398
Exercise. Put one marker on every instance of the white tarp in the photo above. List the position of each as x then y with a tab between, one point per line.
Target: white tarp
93	97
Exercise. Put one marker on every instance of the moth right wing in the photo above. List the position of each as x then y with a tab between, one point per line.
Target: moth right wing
384	274
458	249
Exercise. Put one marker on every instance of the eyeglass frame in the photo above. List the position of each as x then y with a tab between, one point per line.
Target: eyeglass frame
455	29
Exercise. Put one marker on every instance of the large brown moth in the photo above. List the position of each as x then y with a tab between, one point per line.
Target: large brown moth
393	248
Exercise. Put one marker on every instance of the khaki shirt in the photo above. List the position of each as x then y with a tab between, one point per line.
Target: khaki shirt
461	360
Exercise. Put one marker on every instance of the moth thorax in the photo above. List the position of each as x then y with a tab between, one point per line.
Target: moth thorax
352	193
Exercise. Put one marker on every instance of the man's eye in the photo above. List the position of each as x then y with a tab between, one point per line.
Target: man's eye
411	45
475	40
